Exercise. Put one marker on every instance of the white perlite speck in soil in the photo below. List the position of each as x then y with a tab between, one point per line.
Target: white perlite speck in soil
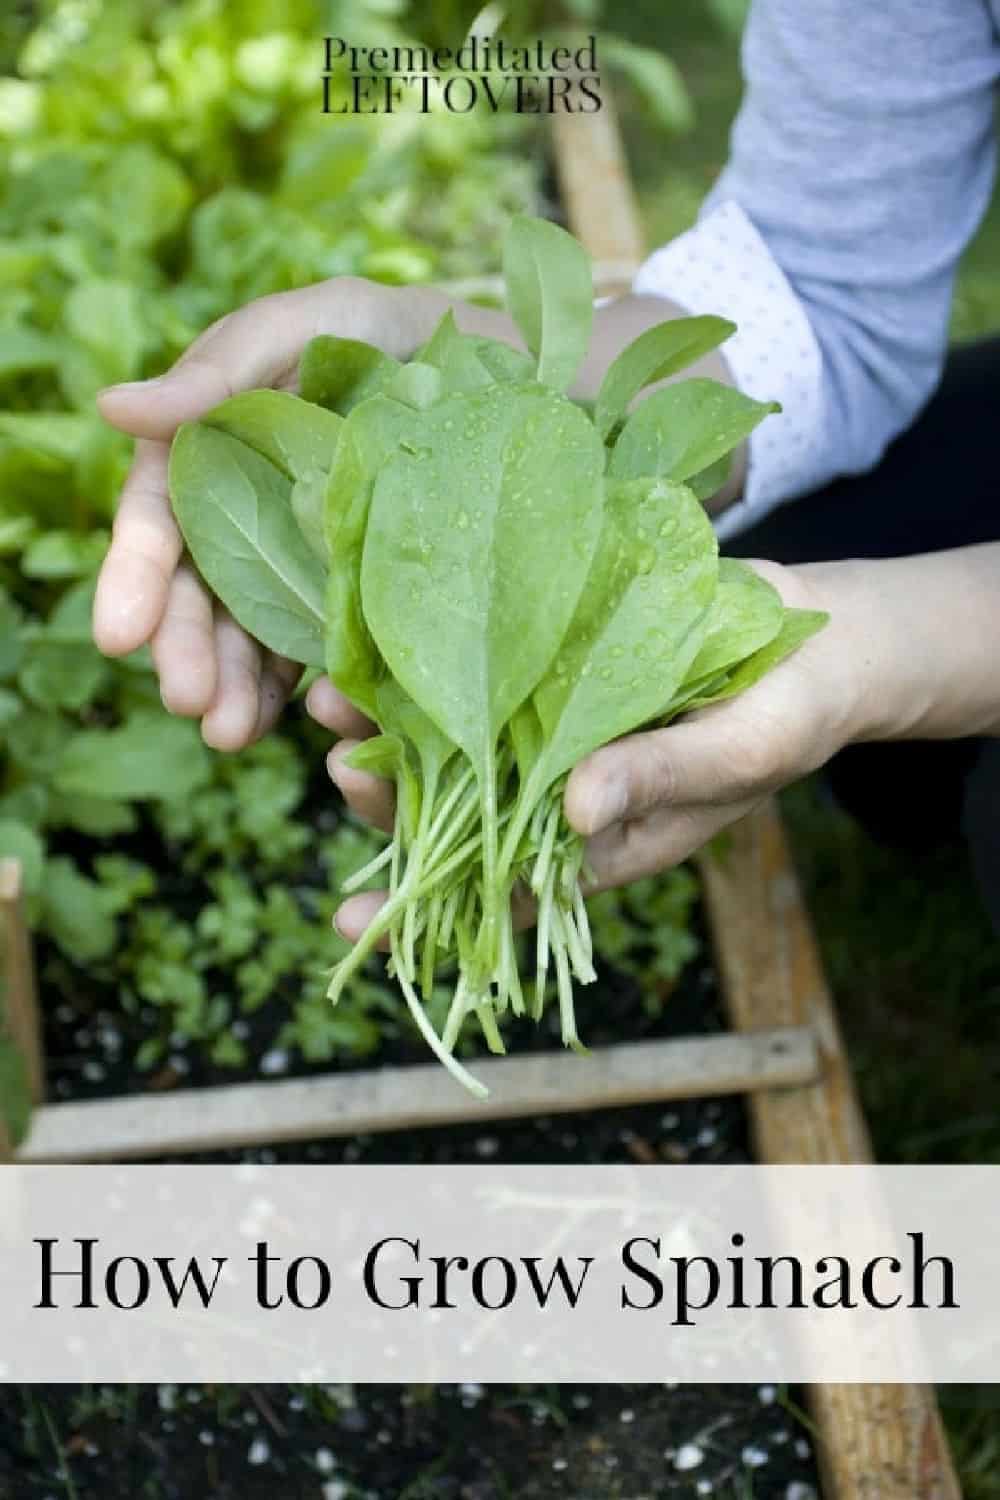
325	1461
259	1452
335	1489
688	1456
799	1491
753	1456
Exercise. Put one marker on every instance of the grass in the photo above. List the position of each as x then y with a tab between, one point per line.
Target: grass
910	954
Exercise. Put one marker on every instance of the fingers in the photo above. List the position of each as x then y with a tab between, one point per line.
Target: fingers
231	718
145	548
328	706
632	849
183	646
371	797
257	346
156	408
353	916
277	683
720	757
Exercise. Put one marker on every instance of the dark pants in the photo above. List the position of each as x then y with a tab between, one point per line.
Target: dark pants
937	487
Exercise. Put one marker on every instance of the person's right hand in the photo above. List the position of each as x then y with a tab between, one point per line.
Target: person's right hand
208	667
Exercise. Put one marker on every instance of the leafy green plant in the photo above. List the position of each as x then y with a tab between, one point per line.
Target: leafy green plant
159	165
511	580
204	119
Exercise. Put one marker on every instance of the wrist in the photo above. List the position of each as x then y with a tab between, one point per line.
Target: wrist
878	701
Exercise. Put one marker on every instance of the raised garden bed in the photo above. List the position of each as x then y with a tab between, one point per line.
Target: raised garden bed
465	1442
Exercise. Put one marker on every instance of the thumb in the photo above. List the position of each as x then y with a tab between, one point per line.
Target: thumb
259	345
696	762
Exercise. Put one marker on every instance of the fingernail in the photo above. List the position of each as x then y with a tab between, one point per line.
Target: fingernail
133	385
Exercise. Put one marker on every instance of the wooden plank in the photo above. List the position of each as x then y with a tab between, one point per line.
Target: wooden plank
19	1012
20	1021
772	976
406	1098
595	186
876	1442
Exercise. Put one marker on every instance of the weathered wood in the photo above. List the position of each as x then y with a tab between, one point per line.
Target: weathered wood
876	1442
20	1018
405	1098
772	976
595	186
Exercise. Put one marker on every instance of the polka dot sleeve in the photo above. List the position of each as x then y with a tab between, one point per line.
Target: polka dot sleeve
723	266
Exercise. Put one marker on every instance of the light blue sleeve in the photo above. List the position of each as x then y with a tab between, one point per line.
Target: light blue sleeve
863	154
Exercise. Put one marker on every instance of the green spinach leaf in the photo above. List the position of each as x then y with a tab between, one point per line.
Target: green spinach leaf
638	626
659	352
299	438
339	373
796	628
683	429
746	613
455	356
234	508
549	296
457	521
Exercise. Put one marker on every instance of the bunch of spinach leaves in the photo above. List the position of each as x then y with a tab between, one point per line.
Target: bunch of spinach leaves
504	579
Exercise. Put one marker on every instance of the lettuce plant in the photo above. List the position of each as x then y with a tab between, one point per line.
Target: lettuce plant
504	578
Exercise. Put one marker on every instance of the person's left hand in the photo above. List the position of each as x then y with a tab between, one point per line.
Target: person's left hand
647	801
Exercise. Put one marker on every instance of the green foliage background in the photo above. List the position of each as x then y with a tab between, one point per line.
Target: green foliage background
159	166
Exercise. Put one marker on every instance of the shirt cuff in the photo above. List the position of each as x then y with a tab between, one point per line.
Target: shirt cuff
723	266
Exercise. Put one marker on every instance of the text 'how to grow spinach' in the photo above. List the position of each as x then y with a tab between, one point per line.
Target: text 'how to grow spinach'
501	577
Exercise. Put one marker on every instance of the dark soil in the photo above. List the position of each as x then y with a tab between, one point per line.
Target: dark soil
396	1443
90	1041
437	1443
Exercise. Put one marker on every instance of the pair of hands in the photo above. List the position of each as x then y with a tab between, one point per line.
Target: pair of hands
645	802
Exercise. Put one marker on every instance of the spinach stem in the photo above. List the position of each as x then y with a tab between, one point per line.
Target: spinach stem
567	1018
485	956
356	881
428	958
456	1015
545	907
488	1021
415	864
437	1046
